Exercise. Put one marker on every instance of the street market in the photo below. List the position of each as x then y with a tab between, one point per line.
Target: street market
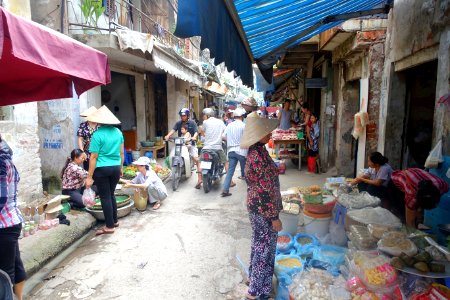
225	149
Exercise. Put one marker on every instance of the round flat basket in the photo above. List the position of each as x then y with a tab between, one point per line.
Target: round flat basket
121	200
121	212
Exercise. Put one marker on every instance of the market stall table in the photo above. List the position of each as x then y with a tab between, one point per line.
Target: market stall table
154	149
290	142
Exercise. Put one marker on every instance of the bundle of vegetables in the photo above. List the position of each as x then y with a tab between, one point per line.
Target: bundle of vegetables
161	171
129	172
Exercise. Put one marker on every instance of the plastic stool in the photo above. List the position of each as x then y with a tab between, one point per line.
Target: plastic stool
340	212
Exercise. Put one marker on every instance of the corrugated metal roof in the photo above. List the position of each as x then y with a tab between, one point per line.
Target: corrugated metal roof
269	24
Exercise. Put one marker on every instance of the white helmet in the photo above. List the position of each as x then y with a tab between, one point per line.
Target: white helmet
208	112
239	112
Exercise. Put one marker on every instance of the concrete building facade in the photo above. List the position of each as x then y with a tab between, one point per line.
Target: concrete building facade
415	81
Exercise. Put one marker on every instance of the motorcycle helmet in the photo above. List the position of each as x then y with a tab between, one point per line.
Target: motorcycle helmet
184	112
208	112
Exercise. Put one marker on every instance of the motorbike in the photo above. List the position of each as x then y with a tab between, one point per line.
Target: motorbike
212	168
181	161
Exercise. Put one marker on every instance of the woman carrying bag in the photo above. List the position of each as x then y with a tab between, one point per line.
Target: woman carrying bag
105	166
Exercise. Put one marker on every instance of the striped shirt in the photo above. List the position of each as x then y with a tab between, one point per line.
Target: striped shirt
408	181
9	178
233	134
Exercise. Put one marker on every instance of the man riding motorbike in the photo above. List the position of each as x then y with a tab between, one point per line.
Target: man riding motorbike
213	131
192	129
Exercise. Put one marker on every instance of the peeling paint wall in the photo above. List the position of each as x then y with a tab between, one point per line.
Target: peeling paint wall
419	31
22	136
177	98
376	62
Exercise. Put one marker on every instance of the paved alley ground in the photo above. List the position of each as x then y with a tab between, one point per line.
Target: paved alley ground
185	250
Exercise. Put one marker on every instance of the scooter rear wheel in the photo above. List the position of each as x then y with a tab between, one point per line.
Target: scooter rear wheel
207	182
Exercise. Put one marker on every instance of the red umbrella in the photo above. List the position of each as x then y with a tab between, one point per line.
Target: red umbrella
37	63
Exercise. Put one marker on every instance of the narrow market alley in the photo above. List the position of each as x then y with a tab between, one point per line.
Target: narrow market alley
186	250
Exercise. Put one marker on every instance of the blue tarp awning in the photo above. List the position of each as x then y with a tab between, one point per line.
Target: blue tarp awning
260	31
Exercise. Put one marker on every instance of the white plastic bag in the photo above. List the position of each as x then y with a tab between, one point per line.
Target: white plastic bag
435	156
88	197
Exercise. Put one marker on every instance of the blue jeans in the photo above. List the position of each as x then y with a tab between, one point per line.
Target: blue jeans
233	159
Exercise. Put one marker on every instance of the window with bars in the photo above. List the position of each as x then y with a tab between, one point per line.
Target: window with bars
110	6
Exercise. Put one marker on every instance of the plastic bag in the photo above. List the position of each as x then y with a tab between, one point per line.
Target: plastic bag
358	200
288	264
88	197
334	256
361	238
376	215
312	284
374	271
305	244
338	236
392	243
377	230
435	156
285	242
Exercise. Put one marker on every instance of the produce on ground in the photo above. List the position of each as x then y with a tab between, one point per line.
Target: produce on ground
422	262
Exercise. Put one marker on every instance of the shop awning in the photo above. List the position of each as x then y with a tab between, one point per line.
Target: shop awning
37	63
241	31
167	59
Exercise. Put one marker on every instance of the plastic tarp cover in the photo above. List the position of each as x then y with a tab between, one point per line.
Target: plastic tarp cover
211	20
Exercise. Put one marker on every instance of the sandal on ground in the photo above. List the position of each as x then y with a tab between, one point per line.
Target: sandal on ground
116	224
233	184
157	205
104	230
241	177
198	185
225	194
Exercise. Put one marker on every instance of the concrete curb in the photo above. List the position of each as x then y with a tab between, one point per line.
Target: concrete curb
38	249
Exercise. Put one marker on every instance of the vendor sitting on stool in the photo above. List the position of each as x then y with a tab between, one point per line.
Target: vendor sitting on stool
147	179
375	179
74	178
422	190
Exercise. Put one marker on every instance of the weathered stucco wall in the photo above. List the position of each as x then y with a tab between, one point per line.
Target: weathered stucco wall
58	124
56	135
417	24
418	32
177	98
22	136
376	62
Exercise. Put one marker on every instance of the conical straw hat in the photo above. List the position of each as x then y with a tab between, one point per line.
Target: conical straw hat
256	128
88	111
103	116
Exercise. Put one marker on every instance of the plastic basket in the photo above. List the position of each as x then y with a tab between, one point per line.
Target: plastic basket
320	208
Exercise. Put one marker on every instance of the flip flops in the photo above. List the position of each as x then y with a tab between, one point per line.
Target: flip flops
233	184
198	185
103	230
225	194
157	205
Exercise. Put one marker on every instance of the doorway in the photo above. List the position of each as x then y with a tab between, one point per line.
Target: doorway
419	114
161	120
120	98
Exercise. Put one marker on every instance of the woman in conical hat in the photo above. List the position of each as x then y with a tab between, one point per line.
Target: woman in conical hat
263	204
105	167
85	132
